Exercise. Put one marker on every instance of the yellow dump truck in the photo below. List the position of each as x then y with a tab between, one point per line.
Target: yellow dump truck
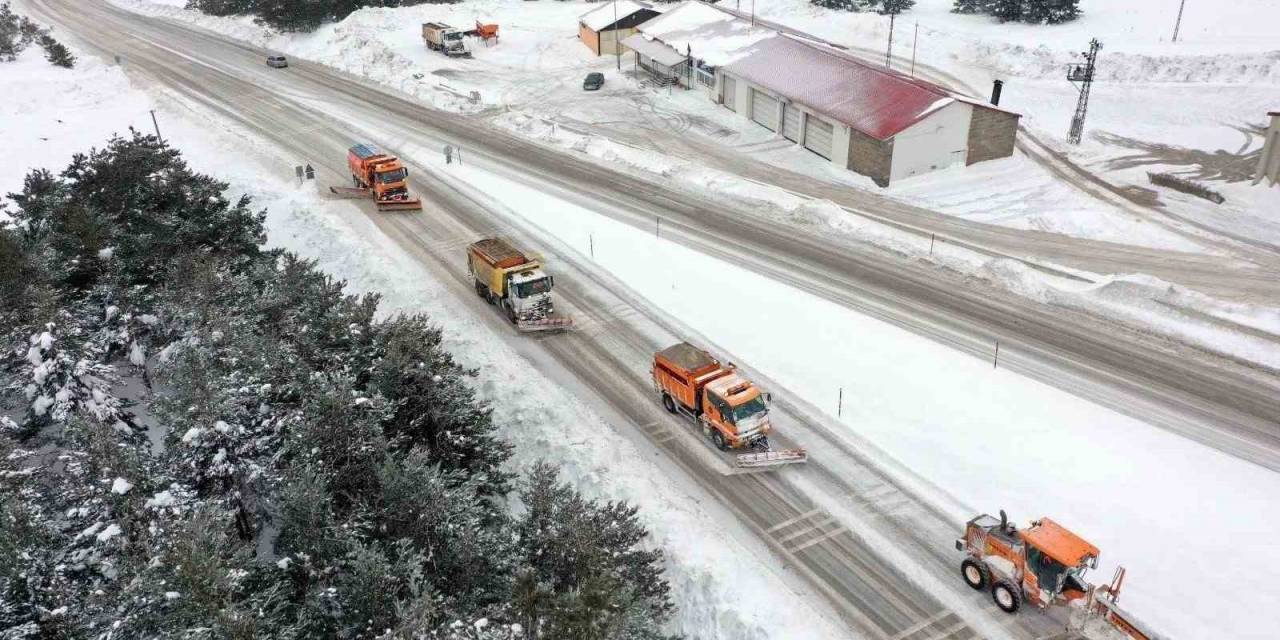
515	283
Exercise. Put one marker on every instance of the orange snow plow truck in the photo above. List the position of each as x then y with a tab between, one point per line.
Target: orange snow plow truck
732	411
378	175
1044	565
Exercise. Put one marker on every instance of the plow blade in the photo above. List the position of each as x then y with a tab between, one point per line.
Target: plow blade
400	205
545	324
771	458
349	192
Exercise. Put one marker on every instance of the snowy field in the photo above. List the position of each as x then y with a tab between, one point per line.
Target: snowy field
992	438
722	592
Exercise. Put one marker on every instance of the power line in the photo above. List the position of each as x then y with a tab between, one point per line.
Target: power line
1178	25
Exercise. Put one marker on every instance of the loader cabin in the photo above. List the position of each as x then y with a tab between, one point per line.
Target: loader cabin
1048	556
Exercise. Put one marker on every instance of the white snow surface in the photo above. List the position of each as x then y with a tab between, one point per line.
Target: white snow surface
710	34
121	486
1152	501
606	13
723	588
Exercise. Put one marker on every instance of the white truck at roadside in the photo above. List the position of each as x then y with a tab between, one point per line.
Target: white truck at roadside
445	39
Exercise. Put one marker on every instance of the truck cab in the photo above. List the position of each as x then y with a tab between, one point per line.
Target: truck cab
528	294
736	408
382	174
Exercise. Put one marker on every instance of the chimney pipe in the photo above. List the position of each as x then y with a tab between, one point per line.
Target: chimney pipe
996	87
1004	520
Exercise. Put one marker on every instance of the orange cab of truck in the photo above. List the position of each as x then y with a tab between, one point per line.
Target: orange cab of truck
384	174
731	409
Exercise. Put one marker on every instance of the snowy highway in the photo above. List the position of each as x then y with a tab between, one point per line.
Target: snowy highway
314	112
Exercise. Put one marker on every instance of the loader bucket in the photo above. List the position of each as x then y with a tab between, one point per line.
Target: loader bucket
771	458
400	205
545	324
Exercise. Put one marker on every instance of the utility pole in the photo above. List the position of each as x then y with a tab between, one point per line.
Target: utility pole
156	125
914	41
1082	74
888	53
617	52
1177	26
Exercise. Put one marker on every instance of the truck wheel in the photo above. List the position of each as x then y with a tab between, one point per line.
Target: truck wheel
717	439
668	403
511	315
355	180
480	291
976	574
1007	596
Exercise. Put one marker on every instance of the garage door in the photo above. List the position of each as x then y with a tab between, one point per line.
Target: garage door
791	123
764	110
817	136
730	93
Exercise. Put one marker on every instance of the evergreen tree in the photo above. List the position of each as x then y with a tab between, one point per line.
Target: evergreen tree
56	53
1053	11
970	6
1007	10
895	6
844	5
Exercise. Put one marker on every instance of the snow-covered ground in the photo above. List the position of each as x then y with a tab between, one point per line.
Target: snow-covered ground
1153	501
721	590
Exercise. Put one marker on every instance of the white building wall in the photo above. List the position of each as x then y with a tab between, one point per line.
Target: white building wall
840	145
937	142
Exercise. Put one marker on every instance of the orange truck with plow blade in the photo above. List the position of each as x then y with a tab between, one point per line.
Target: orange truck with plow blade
732	411
1044	564
380	176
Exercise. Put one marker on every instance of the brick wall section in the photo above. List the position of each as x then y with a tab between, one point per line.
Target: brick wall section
870	157
991	134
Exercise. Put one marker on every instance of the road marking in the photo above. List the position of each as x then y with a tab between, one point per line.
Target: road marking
946	632
817	524
825	536
911	630
790	521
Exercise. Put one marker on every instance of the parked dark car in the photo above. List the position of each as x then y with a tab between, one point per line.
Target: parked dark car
594	81
279	62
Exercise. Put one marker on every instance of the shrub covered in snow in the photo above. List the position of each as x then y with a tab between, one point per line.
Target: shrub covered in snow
217	437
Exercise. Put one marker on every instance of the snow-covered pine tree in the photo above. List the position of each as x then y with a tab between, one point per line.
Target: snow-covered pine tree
56	53
1052	11
844	5
895	7
589	555
970	6
1007	10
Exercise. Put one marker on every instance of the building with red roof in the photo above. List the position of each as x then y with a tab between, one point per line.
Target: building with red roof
859	115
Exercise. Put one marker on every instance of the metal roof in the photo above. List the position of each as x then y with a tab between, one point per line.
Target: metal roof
1059	543
660	53
607	14
876	101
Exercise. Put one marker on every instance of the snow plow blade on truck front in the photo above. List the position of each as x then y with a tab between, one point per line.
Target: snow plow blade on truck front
771	458
545	324
406	204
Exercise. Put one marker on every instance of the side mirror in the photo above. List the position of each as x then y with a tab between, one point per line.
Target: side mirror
768	397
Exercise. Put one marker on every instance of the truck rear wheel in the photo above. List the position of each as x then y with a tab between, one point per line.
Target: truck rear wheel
1007	596
355	180
668	403
976	574
717	439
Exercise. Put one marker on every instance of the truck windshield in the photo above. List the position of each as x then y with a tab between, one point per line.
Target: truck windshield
751	408
1048	571
453	35
533	287
387	177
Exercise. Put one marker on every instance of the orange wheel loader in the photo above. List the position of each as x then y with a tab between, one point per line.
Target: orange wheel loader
1044	565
